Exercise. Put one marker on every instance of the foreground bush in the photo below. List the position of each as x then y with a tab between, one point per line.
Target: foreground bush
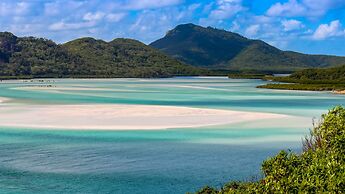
320	168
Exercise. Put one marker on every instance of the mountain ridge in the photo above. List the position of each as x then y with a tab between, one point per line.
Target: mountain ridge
85	57
219	49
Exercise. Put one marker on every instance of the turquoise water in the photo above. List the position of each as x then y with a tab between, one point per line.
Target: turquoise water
163	161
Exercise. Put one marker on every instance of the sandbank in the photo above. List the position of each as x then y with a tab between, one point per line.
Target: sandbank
339	92
120	117
2	100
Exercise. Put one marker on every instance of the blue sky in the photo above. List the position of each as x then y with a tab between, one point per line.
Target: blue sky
309	26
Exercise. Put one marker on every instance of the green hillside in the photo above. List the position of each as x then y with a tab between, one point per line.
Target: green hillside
220	49
127	58
30	57
200	46
35	57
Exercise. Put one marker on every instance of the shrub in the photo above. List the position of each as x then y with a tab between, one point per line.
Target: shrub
320	168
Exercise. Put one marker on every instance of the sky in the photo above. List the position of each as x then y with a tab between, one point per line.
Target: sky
308	26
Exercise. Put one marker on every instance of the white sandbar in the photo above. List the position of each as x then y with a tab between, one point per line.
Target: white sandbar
2	100
340	92
120	117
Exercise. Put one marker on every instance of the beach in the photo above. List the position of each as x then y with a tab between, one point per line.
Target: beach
120	117
2	99
339	92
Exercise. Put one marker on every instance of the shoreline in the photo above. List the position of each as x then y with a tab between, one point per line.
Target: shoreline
3	100
4	79
121	117
303	87
339	92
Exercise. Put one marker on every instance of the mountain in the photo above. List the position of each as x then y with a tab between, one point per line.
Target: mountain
37	57
220	49
85	57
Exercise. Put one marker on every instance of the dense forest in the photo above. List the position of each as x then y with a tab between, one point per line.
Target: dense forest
335	74
31	57
311	79
220	49
320	168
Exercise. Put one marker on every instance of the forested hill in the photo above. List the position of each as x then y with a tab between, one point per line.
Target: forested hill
220	49
29	57
332	75
325	79
335	74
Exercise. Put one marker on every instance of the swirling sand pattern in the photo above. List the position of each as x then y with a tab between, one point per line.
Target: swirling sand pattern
147	161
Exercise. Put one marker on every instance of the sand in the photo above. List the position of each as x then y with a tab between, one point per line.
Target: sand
340	92
54	88
120	117
2	100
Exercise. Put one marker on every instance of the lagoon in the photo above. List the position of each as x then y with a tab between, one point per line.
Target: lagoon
170	160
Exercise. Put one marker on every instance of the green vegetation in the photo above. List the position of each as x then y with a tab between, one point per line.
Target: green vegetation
320	168
309	87
246	76
335	74
200	46
220	49
31	57
326	79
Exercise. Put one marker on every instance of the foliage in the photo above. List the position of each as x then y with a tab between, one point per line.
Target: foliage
220	49
30	57
246	76
335	74
311	79
320	168
310	87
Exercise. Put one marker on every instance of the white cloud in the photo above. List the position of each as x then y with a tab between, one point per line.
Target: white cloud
93	16
262	19
5	9
142	4
226	9
115	17
328	30
309	8
152	24
187	12
28	28
290	25
53	8
63	26
323	5
147	4
22	8
269	29
290	8
252	30
12	8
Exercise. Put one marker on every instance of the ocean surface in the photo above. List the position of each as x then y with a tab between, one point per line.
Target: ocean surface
155	161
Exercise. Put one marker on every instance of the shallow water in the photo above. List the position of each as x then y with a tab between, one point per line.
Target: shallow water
163	161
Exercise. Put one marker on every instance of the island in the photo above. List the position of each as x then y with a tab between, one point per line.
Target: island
322	79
